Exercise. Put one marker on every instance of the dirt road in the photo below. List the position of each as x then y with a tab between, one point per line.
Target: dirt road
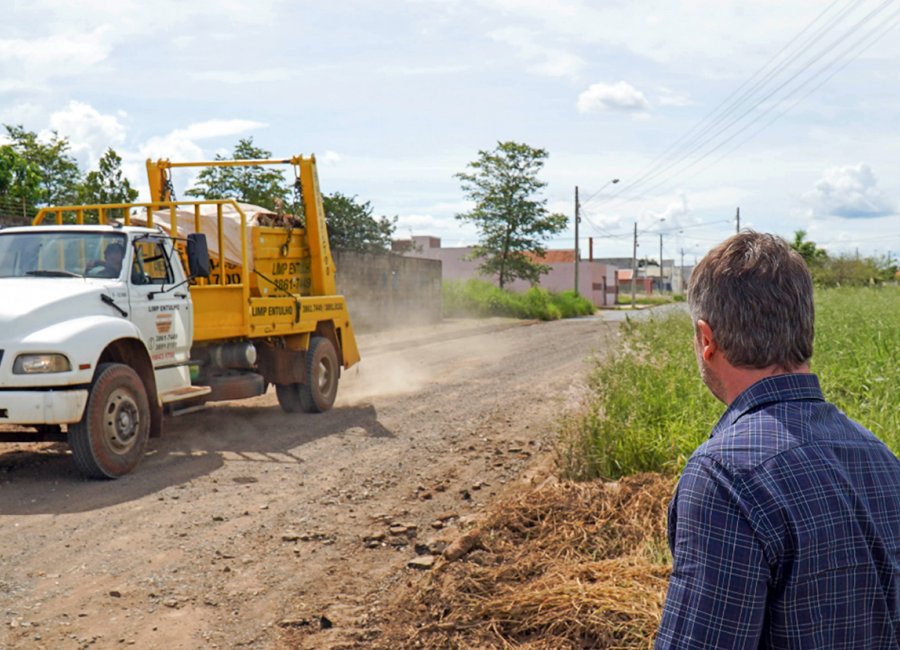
248	528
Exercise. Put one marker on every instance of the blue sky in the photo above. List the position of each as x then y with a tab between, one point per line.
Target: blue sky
395	97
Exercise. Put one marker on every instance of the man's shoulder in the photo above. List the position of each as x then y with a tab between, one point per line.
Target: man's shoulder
752	440
783	432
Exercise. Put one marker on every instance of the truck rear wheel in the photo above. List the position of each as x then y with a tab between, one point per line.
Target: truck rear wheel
323	370
289	398
112	436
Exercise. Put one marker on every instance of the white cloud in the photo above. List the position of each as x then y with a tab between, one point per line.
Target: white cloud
31	62
716	33
244	77
850	192
330	158
419	71
181	145
420	221
669	97
620	96
215	129
89	132
547	61
23	113
674	213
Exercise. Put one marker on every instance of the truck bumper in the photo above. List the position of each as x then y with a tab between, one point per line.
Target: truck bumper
42	406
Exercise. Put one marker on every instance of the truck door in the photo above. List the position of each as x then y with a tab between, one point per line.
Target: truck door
162	314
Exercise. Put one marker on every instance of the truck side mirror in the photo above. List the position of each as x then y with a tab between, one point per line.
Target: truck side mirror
197	255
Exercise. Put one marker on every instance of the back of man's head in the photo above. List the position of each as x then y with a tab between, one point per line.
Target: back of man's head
756	294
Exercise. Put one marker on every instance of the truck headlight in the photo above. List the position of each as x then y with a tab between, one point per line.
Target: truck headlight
33	364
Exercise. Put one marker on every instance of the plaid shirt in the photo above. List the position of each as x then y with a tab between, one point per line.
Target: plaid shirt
785	530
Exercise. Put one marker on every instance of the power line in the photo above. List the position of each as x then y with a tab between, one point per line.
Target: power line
673	229
773	92
887	27
872	36
727	105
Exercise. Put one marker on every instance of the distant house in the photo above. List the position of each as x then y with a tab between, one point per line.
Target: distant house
642	285
673	278
596	280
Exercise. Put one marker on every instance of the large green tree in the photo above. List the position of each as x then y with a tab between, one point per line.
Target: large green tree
813	255
260	185
58	170
511	216
352	227
20	187
107	184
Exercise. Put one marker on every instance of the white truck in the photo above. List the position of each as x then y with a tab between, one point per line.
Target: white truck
104	327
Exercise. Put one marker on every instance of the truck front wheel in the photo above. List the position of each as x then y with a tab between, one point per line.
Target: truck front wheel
112	436
322	372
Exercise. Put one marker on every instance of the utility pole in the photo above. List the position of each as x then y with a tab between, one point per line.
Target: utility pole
681	274
660	265
738	221
577	219
634	266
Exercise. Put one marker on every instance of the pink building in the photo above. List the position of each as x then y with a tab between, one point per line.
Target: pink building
596	280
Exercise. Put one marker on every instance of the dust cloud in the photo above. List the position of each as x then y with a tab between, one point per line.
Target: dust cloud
401	362
381	376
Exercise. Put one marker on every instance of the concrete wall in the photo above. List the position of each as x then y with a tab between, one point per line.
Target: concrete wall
597	282
384	290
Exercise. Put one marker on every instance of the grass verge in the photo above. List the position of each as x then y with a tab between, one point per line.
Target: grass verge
479	298
648	409
624	298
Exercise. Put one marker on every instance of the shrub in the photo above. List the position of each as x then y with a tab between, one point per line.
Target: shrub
480	298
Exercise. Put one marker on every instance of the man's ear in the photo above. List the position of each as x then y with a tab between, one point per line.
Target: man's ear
705	340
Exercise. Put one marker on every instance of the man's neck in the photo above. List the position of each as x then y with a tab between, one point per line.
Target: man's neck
736	380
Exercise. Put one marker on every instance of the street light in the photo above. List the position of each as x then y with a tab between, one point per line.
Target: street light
634	261
611	181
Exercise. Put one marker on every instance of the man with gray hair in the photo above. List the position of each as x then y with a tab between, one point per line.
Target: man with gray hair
785	526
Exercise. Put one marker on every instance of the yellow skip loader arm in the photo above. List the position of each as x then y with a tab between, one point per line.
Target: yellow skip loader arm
321	262
289	317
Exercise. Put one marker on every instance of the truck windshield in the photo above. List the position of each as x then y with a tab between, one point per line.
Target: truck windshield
55	253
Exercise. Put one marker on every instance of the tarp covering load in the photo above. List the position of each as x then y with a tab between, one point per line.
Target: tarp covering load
231	226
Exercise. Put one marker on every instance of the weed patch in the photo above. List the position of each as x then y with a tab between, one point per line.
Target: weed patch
648	408
482	299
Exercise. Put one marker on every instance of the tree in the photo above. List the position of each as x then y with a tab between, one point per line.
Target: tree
20	187
813	255
59	173
512	220
351	226
256	185
107	184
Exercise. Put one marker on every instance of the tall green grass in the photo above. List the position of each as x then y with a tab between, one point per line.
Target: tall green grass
648	408
479	298
857	355
624	298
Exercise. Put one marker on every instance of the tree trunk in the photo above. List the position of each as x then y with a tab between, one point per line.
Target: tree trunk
503	257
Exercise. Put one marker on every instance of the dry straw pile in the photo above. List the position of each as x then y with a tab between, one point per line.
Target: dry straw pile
570	565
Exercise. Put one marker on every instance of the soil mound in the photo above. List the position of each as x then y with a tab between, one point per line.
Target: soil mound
568	565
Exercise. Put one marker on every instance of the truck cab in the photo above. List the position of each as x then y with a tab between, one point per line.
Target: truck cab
85	303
